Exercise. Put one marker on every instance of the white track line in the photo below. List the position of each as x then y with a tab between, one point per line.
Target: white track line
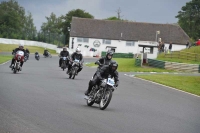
4	62
167	86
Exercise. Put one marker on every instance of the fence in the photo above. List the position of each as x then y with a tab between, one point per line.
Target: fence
174	65
119	55
183	55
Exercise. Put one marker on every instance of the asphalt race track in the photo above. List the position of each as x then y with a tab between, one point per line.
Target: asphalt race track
42	99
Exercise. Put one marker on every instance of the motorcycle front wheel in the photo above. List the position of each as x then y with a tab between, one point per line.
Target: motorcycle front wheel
105	100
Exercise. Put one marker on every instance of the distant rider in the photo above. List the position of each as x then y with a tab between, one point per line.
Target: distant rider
76	55
45	52
63	53
103	73
27	53
21	48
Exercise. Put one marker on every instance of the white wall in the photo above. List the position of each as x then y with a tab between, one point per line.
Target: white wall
31	43
120	47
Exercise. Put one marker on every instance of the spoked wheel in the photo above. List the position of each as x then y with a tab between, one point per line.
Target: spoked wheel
106	100
90	102
70	75
74	74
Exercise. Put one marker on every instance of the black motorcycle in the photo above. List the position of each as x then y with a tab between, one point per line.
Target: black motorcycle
102	93
48	54
26	57
37	56
64	63
75	66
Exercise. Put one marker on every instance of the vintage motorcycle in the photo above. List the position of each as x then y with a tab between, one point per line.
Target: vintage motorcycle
75	66
37	56
47	55
19	57
101	94
64	62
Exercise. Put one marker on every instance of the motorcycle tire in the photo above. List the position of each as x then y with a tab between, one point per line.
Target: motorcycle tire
90	102
103	104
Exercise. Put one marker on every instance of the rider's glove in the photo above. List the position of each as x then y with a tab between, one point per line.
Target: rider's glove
116	84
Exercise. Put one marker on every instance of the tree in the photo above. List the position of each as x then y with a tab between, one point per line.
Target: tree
14	23
66	20
50	30
112	18
189	18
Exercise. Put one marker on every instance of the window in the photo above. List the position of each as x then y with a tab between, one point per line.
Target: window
130	43
106	41
82	39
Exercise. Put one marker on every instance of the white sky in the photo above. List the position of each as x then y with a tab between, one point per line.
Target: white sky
154	11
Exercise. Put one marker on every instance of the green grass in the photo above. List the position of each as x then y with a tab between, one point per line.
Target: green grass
32	49
192	50
185	83
4	58
128	65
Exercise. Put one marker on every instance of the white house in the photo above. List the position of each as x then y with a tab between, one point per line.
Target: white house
123	36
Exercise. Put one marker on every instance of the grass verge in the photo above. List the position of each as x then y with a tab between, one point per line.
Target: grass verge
32	49
185	83
4	58
128	65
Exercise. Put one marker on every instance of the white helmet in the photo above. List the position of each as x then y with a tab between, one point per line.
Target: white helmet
78	51
21	45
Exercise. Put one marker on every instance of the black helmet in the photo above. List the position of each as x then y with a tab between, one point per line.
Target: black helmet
113	66
109	53
36	52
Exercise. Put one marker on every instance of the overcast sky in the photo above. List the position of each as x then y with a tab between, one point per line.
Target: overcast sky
153	11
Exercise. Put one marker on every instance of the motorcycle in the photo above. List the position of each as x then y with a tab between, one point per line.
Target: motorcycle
19	57
64	62
47	55
75	66
26	57
37	56
102	94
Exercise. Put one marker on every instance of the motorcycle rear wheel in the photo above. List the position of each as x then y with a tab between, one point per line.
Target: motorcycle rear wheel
105	102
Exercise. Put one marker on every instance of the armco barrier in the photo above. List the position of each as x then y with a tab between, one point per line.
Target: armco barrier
174	65
156	63
138	62
32	43
119	55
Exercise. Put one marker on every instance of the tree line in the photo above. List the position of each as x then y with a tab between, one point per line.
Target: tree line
15	23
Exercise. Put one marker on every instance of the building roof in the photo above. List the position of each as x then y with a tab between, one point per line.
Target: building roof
123	30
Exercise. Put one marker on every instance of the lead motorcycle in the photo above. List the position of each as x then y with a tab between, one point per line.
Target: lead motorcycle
19	57
75	66
101	94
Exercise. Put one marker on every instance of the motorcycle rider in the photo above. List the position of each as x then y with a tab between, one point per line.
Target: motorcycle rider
45	52
63	53
37	56
76	55
104	60
27	53
103	73
21	47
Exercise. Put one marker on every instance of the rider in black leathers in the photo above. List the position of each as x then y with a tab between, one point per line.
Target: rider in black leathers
45	52
21	47
104	60
63	53
76	55
103	73
27	53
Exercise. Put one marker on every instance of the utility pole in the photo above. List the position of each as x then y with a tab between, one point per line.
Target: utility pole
118	13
